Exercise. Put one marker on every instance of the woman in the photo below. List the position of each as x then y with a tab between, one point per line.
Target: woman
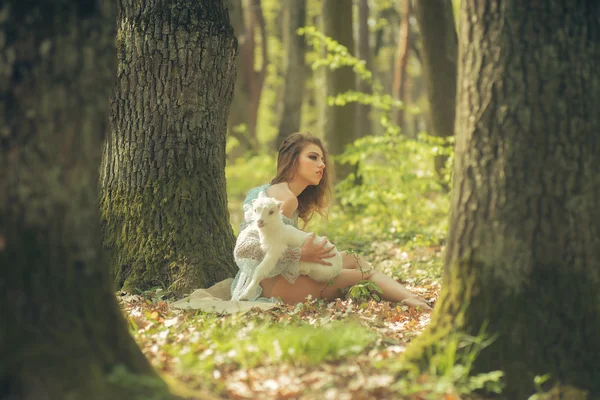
303	185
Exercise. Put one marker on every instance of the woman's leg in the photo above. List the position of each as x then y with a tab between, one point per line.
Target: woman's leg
293	293
392	290
350	261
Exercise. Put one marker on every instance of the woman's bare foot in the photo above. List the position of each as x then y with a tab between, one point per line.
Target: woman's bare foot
416	302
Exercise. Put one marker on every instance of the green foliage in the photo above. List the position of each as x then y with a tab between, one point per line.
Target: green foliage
138	387
337	55
384	4
539	381
558	391
380	101
449	370
395	193
365	290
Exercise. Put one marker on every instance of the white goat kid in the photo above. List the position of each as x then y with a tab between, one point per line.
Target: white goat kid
276	237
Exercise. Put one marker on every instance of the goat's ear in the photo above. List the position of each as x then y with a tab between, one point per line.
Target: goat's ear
279	203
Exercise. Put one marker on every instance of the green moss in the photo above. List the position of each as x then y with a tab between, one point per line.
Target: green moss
165	236
448	316
138	387
545	328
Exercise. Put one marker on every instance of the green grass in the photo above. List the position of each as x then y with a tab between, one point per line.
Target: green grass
263	343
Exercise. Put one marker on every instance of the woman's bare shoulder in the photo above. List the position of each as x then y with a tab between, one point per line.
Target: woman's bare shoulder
281	191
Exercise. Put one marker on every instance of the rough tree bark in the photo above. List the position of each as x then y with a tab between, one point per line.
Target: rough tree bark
338	122
524	243
62	335
294	68
399	86
439	48
363	123
163	195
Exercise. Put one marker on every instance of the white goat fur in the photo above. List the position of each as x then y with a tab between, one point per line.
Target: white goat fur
276	237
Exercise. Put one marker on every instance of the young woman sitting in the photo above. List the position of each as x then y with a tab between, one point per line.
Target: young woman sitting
302	185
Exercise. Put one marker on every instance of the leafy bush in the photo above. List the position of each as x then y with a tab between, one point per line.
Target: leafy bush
394	195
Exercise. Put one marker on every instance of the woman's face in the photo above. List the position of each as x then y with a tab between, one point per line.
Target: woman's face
311	164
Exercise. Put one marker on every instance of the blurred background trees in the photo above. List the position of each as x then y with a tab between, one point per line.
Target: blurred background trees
369	78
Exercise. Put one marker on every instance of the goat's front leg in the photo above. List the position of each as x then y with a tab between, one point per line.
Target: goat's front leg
260	273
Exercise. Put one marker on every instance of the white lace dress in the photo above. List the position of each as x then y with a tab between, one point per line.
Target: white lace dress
248	254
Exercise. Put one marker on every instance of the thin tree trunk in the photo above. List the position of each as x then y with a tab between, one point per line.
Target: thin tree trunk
62	335
255	79
238	121
363	123
400	73
523	254
439	45
249	84
339	122
294	66
164	201
415	87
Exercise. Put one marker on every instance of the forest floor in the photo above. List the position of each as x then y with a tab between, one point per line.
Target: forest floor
341	350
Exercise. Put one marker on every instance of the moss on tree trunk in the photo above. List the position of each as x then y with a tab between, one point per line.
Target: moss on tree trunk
163	194
523	253
62	335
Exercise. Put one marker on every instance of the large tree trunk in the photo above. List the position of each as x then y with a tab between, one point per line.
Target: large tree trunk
399	87
524	245
339	122
62	335
294	66
164	201
363	122
439	47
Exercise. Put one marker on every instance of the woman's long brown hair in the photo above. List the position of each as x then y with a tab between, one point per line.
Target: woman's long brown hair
313	198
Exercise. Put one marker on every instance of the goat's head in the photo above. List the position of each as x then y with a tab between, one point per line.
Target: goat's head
266	211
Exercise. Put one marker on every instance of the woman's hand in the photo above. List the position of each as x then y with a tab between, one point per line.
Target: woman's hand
316	252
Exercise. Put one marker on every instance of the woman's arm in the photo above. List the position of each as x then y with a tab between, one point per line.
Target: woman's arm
248	253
